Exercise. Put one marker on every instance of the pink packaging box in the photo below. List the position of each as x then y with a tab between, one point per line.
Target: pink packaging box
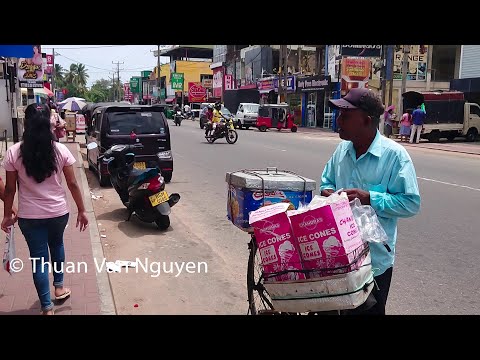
275	241
327	237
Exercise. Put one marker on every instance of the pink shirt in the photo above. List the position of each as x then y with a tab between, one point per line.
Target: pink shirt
44	200
406	119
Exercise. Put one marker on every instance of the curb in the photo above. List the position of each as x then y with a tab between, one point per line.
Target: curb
446	150
107	303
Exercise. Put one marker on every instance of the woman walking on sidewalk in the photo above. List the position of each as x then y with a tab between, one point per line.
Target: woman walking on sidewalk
36	164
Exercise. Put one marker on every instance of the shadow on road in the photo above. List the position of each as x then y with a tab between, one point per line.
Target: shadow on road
133	228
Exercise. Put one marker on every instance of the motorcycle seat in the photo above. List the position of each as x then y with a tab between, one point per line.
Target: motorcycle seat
136	176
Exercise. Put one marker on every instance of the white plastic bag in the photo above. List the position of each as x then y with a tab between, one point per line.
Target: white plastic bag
9	253
367	221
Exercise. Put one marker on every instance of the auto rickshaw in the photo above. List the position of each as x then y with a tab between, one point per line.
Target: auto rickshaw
275	116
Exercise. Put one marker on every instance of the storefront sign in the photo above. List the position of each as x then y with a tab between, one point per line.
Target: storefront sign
362	50
135	84
355	73
30	70
290	83
417	63
313	83
196	92
177	81
207	83
228	82
217	82
265	85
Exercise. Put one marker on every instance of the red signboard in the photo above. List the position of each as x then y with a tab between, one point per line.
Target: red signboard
128	96
49	59
196	92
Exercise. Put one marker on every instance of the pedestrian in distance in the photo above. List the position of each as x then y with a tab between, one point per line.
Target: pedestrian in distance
36	164
418	119
379	172
405	125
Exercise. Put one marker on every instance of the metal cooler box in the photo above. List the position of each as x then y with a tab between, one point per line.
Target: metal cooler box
249	190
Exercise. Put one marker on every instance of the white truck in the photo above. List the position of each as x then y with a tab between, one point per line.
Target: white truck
449	115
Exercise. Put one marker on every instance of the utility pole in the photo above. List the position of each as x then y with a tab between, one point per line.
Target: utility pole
383	74
285	73
118	77
406	52
113	86
159	83
53	72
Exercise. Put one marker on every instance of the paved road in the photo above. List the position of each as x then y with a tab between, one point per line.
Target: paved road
437	252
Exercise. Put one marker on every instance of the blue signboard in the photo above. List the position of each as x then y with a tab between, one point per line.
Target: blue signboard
17	51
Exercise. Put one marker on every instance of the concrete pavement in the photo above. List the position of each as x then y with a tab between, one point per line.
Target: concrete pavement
91	294
437	250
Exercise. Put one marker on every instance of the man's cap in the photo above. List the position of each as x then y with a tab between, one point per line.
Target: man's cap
360	98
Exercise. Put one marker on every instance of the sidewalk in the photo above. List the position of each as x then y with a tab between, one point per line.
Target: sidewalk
459	147
91	293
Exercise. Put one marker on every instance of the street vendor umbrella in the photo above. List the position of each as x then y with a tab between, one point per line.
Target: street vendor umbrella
72	104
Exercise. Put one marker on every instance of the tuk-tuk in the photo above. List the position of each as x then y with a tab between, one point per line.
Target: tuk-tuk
275	116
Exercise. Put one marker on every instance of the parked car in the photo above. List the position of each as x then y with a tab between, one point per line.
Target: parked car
196	109
131	124
247	114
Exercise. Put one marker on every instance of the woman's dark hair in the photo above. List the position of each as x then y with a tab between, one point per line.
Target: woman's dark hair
38	149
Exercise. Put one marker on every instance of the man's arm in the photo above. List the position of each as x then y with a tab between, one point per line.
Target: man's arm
403	199
328	185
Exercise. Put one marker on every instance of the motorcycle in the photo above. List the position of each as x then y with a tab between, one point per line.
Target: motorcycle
190	116
224	129
178	117
142	192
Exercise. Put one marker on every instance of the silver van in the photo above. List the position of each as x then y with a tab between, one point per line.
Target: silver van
247	114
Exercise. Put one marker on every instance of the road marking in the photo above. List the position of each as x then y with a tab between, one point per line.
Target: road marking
447	183
272	148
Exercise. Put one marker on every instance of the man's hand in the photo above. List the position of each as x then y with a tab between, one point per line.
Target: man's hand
362	195
327	192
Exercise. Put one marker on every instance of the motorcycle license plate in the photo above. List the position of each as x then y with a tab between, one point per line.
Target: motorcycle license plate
158	198
139	165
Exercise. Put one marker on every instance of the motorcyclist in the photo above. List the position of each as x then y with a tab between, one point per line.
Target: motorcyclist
216	117
208	113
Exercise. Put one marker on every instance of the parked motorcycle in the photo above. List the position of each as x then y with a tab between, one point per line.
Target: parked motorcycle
224	129
141	191
178	117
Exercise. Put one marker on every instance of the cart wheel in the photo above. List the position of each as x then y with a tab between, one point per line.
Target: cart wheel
259	302
294	129
262	128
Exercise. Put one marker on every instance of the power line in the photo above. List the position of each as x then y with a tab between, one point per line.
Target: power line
95	67
84	47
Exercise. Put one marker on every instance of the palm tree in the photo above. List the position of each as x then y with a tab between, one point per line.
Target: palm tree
82	77
72	74
58	75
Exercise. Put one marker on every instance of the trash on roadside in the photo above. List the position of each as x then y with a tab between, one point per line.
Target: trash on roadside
103	236
103	230
135	305
99	224
124	263
111	266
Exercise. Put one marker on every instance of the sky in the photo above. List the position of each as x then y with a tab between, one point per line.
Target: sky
98	59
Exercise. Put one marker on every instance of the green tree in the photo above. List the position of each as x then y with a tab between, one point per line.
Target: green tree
59	76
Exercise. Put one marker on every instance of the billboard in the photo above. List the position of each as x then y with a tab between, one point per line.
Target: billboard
30	70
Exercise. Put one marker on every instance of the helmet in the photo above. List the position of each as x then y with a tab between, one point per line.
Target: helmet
210	106
218	105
